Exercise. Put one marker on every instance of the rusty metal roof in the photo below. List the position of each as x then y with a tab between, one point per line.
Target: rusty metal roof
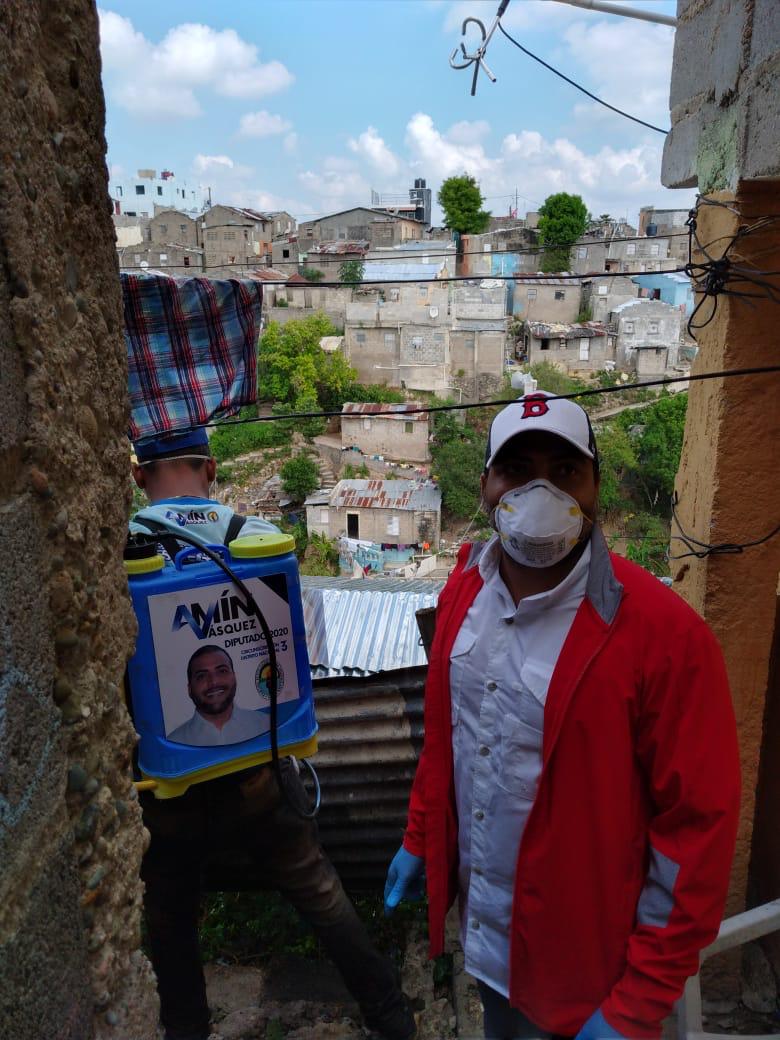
360	246
561	330
386	411
386	494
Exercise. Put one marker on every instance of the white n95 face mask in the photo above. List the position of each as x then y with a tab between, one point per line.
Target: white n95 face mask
538	524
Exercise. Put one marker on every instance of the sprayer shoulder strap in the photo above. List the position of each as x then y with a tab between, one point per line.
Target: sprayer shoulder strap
165	536
237	521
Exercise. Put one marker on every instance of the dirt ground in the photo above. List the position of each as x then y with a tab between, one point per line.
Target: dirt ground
294	998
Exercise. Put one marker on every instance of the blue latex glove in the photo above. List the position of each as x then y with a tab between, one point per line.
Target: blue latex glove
405	879
597	1028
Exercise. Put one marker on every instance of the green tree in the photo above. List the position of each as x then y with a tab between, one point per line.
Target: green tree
461	200
312	274
300	477
660	447
296	373
562	219
617	461
351	272
458	466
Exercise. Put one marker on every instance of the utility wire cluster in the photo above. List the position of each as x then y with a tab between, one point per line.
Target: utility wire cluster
723	275
703	549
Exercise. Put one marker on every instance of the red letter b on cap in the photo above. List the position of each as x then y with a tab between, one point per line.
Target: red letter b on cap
534	407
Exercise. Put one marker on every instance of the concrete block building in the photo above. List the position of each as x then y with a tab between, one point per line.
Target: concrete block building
391	430
647	335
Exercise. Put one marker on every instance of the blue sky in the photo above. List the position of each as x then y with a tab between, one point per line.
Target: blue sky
306	105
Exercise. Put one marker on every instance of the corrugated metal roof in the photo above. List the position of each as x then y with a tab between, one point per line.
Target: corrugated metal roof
385	494
643	303
358	246
399	272
387	411
365	626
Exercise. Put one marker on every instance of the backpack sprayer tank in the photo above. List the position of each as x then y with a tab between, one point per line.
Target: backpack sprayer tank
200	680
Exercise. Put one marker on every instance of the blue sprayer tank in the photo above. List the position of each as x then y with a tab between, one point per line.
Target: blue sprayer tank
192	618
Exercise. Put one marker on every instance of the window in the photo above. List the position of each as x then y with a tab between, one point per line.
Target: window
602	290
286	254
582	252
163	258
163	229
119	190
652	328
360	337
631	249
560	294
324	515
229	236
366	423
417	342
211	236
140	189
183	228
654	249
393	526
159	190
390	339
487	249
342	235
438	337
353	525
584	349
186	261
532	294
545	344
423	292
395	295
137	259
628	328
408	427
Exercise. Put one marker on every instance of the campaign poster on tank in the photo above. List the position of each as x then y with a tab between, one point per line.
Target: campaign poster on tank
213	666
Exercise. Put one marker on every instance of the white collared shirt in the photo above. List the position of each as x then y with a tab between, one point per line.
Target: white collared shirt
500	669
243	724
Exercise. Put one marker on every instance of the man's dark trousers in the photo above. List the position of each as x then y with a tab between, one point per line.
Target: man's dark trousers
246	811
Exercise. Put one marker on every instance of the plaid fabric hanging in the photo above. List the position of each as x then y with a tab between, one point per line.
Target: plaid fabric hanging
191	350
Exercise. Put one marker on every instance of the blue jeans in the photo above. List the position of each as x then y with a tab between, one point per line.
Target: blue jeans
503	1022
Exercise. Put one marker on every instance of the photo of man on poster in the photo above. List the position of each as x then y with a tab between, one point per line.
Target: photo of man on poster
217	719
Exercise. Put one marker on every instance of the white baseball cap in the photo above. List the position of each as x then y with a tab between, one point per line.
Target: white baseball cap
541	410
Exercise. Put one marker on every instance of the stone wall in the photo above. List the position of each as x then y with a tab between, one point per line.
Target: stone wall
70	831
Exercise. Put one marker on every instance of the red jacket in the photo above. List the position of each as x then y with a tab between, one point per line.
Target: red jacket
624	864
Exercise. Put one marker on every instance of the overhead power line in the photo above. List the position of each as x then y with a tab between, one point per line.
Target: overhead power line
578	86
595	391
520	276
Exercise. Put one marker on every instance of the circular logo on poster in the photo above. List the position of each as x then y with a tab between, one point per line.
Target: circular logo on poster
263	679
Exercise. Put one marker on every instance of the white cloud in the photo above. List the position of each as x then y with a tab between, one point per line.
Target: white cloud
434	152
263	124
468	132
527	14
290	143
202	163
639	85
370	146
154	79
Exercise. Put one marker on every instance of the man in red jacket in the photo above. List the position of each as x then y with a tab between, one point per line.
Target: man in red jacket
578	788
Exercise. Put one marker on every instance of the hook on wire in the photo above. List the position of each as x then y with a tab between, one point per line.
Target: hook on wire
477	59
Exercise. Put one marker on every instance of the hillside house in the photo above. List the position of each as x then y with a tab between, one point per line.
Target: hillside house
583	347
603	294
391	430
387	513
378	226
647	336
233	235
547	299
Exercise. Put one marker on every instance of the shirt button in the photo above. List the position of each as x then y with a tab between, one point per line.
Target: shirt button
492	686
484	750
509	621
475	925
479	815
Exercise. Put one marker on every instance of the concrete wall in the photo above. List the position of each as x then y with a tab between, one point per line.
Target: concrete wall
566	353
359	223
159	256
374	524
70	830
539	303
728	493
605	294
228	237
403	439
725	105
478	301
169	225
285	314
634	324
